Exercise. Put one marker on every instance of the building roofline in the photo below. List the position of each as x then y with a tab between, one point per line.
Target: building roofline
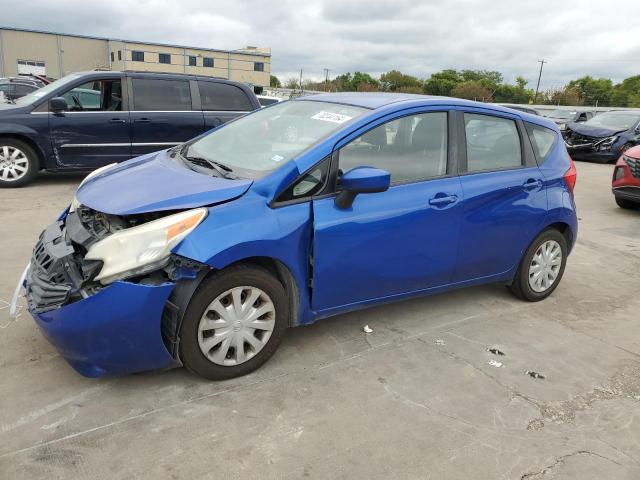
140	42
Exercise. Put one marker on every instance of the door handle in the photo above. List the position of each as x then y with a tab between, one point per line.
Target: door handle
117	120
532	183
441	201
142	120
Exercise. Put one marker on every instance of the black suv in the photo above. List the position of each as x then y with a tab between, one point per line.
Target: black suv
89	119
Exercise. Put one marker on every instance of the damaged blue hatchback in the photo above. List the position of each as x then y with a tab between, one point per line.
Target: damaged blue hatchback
204	254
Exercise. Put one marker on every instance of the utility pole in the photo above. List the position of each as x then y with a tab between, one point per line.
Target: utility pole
541	62
326	79
301	90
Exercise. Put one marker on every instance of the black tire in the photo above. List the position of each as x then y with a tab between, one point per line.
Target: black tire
520	286
627	204
218	283
33	163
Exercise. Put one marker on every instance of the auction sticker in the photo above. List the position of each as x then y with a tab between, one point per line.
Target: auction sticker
331	117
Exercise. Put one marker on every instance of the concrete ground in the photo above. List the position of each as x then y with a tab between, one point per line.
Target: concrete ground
417	398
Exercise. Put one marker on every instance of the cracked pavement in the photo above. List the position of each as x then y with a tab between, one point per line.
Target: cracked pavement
416	398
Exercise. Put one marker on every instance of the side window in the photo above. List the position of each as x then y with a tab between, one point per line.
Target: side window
207	62
167	95
222	96
137	56
542	140
95	96
310	184
410	148
493	143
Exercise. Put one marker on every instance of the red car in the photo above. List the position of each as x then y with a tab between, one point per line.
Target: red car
626	179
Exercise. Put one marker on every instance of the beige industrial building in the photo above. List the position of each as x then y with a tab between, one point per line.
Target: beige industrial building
55	55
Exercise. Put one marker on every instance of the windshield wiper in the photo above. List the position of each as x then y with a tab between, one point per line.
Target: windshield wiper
222	169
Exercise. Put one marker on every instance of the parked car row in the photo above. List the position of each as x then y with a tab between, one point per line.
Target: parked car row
562	117
12	88
86	120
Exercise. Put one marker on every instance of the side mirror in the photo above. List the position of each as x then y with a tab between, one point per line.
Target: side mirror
361	180
58	104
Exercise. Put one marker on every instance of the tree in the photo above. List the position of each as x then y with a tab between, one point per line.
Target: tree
472	90
351	83
292	83
488	78
561	96
442	83
396	81
593	91
521	82
274	82
627	93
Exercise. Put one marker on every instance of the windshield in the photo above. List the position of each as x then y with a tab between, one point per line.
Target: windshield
266	139
41	92
615	120
563	114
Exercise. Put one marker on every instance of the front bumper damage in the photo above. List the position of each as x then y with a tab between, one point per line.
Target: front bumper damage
100	330
583	147
114	332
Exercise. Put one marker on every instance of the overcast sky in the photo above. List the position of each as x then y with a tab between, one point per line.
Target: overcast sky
417	37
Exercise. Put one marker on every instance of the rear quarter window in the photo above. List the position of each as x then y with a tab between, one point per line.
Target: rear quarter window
222	96
542	140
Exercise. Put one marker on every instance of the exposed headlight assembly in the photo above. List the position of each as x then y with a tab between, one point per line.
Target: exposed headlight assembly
606	143
74	202
143	248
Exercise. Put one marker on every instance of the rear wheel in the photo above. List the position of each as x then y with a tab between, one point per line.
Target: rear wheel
627	204
234	323
542	267
18	163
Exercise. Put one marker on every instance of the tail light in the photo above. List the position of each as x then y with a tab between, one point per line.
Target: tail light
571	175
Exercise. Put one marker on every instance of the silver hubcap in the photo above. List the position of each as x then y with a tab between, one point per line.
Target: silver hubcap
13	163
236	325
545	266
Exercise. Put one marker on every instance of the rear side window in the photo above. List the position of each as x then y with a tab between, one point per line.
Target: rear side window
222	96
493	143
167	95
542	140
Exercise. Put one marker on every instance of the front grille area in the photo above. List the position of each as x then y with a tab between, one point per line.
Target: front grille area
577	139
59	274
634	165
49	282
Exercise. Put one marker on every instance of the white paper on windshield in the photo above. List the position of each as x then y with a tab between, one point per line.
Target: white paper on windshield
331	117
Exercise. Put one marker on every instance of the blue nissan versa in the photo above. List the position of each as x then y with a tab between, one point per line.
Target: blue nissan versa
205	253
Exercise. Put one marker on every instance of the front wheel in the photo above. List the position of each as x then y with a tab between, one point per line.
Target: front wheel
542	267
18	163
234	323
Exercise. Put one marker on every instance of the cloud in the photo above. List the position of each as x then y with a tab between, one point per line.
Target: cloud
417	37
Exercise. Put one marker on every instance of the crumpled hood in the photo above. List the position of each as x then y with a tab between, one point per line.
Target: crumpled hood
590	131
155	182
